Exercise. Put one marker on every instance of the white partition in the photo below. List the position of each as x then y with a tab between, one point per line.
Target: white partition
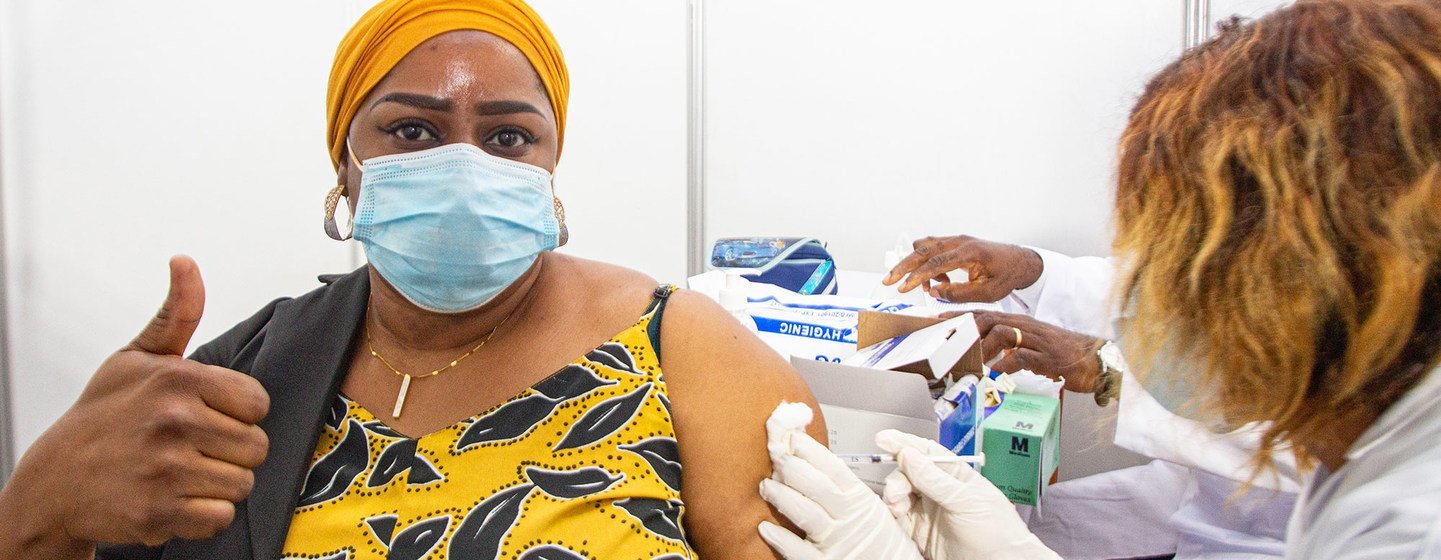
855	123
623	174
135	130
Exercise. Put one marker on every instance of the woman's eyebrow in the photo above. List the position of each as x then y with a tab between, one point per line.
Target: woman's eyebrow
416	100
505	107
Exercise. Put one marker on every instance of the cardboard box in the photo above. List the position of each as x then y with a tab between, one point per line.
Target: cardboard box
927	346
888	385
1021	441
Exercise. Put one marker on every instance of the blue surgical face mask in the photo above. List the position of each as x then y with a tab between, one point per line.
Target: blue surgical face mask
1171	379
451	227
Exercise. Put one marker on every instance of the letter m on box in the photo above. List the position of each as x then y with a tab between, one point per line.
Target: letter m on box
1019	445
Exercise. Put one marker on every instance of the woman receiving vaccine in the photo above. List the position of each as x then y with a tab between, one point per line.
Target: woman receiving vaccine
468	394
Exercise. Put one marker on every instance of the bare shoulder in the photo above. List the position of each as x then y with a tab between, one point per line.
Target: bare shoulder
719	367
723	384
699	337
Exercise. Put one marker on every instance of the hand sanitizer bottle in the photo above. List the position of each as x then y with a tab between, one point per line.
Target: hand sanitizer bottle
916	298
733	299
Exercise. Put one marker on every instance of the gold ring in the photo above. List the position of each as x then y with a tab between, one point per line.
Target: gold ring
1018	337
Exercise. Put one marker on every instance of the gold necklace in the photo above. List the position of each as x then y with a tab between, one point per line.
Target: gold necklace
405	377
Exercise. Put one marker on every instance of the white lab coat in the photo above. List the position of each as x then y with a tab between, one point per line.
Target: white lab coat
1187	501
1385	502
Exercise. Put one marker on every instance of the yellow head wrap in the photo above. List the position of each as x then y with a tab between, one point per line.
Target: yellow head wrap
391	29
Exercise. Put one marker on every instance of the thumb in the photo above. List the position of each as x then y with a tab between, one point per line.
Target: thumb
788	544
930	481
897	494
170	330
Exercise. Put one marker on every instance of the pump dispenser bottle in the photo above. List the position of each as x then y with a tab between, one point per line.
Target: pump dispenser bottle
733	298
917	297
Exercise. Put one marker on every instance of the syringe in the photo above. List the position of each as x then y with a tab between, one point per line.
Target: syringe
888	458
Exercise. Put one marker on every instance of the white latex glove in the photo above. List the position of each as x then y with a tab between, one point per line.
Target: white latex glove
841	517
949	509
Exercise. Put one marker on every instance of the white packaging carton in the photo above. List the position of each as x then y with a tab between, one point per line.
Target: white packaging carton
922	345
858	402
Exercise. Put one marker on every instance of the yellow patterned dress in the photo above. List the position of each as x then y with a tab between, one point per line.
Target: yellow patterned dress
581	465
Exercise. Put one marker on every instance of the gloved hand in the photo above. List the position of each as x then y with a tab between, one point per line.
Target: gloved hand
841	517
950	510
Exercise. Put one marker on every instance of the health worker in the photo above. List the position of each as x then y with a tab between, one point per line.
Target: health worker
1197	499
1278	218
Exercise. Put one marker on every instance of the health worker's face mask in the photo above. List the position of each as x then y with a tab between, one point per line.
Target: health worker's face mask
1172	380
451	227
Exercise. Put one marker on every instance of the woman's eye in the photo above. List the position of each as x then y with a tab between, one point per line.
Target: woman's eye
510	138
413	133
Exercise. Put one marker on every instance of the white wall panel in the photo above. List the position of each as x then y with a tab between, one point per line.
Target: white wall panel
839	120
623	174
133	131
836	119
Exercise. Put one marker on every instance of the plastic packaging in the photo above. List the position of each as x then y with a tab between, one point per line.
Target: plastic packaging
958	429
946	401
1031	383
973	401
817	327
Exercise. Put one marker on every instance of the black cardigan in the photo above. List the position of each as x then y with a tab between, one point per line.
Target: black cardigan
299	350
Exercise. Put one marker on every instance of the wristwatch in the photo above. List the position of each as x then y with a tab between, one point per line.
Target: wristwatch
1113	366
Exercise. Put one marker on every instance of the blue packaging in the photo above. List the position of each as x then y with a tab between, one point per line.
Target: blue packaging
959	428
800	264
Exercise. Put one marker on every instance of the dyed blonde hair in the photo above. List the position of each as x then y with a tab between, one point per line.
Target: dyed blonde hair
1279	217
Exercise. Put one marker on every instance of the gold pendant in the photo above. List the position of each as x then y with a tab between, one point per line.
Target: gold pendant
400	398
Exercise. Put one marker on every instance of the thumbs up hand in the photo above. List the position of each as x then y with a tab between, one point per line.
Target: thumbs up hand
170	330
157	447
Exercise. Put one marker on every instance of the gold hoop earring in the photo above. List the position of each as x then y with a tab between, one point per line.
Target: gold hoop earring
332	202
560	217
